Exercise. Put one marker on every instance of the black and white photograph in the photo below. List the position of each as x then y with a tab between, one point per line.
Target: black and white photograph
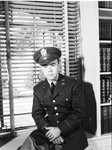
55	75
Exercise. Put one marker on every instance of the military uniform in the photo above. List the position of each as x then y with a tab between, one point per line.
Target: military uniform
65	108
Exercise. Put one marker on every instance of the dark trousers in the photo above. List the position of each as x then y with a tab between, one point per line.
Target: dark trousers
37	141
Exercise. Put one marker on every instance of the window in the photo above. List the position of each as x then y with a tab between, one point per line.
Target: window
26	26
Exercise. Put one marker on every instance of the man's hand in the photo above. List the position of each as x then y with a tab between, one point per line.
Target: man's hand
58	140
53	133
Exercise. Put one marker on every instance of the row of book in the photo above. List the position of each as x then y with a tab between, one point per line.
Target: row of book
106	89
105	4
105	28
105	58
106	119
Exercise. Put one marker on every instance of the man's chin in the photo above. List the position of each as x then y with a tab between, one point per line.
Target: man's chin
51	78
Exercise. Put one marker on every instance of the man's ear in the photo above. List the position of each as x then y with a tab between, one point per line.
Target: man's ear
41	74
40	67
59	64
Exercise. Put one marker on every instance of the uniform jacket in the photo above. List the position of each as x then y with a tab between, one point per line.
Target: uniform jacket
65	109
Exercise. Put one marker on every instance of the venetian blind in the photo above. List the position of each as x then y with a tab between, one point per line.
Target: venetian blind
29	26
74	38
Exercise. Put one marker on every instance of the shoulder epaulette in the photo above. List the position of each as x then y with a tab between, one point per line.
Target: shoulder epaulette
39	83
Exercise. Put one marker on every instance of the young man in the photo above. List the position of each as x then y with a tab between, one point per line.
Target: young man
58	114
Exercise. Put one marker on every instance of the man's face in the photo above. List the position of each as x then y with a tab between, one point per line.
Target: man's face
51	71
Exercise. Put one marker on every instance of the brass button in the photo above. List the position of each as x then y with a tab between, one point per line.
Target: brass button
55	108
57	114
66	99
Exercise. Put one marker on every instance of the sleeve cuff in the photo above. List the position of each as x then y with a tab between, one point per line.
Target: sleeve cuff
43	128
65	127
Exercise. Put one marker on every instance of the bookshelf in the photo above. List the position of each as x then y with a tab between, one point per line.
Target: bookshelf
92	17
105	47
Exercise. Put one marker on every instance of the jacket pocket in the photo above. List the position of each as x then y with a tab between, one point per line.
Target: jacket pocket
65	99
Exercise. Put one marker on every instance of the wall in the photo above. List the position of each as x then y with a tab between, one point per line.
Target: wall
90	48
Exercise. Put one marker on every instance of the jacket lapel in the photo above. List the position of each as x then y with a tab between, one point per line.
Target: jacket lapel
46	88
60	84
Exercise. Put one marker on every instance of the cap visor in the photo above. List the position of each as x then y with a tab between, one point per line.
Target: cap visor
47	60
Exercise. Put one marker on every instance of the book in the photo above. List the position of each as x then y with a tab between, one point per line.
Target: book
110	117
106	89
108	59
101	4
104	120
105	28
105	58
103	90
105	4
101	59
108	30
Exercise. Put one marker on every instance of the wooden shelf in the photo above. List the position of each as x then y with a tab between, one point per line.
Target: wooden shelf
105	41
105	13
106	104
105	73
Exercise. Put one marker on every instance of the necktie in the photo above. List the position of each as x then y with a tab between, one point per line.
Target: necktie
52	87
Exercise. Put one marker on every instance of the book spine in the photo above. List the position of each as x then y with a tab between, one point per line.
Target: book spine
110	4
110	117
104	120
105	4
108	62
110	97
105	29
103	90
101	69
100	30
104	60
108	30
107	89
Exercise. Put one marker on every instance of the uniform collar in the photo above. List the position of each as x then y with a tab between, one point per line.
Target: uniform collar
59	85
51	82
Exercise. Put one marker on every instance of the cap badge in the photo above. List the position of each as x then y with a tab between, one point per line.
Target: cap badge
44	52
